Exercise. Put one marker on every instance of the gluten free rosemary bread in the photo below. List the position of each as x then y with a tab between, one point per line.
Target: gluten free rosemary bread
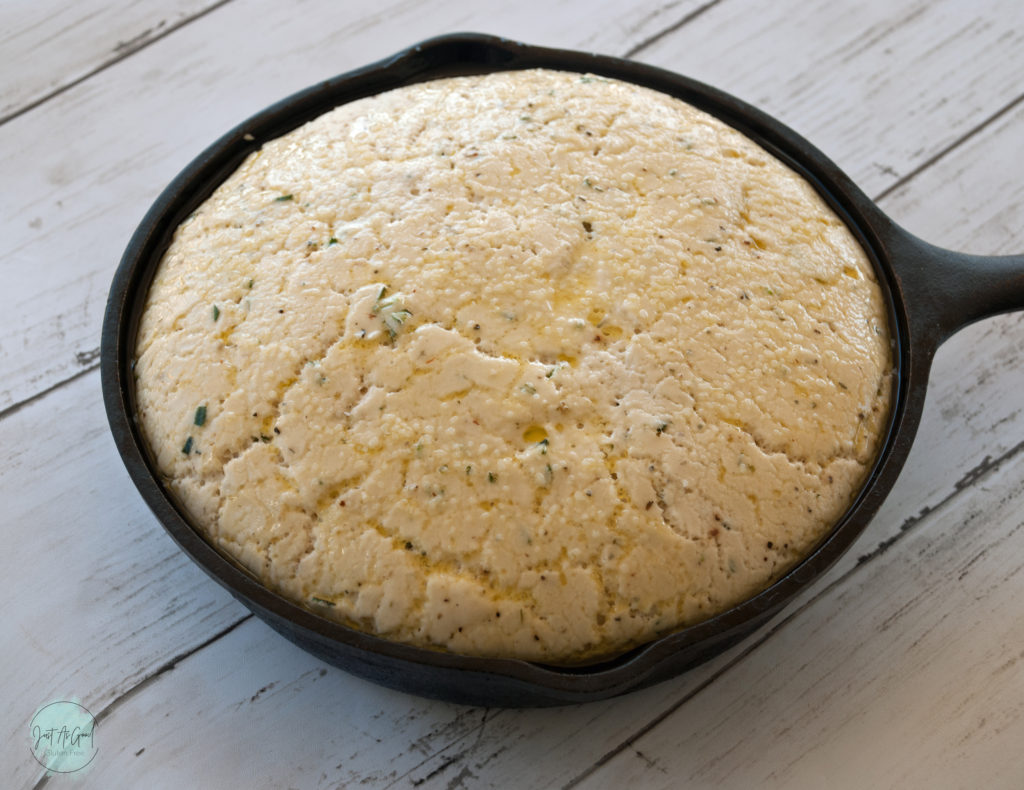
530	364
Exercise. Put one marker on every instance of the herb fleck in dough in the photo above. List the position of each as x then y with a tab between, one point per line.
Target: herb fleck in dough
528	364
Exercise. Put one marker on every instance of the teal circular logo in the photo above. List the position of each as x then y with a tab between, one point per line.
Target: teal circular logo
63	737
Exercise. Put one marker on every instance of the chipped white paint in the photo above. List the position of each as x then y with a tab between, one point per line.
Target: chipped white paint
47	45
902	670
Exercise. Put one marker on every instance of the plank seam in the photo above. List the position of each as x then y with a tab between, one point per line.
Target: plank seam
132	47
931	160
14	408
149	679
654	38
966	481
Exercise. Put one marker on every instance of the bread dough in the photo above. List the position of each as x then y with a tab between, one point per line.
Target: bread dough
531	364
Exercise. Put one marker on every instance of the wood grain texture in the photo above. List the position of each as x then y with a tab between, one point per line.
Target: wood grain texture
95	596
50	44
879	87
908	651
318	727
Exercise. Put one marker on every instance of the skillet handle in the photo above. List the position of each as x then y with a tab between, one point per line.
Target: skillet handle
944	290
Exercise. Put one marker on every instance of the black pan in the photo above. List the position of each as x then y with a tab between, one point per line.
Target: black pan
931	293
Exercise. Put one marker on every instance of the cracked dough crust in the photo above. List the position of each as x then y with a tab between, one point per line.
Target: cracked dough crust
531	364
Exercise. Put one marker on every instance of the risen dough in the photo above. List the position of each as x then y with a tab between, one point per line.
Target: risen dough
531	364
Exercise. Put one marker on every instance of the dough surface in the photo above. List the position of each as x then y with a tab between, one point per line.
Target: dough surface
531	364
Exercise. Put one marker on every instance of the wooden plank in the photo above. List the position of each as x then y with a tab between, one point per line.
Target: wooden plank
50	44
253	687
919	682
89	190
267	711
95	595
879	87
73	193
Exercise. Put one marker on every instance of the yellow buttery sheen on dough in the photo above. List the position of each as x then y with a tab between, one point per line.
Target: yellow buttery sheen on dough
530	364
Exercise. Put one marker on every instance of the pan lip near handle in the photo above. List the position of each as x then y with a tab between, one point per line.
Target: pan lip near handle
945	290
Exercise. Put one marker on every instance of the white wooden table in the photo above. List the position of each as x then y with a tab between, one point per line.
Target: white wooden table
901	669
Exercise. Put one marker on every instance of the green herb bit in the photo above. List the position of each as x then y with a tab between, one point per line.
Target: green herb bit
200	418
543	443
187	448
331	241
391	312
526	118
469	470
492	478
216	312
529	389
250	284
264	438
393	321
660	428
321	601
590	184
549	474
284	198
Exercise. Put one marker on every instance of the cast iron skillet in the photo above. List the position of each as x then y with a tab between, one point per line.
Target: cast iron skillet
931	293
